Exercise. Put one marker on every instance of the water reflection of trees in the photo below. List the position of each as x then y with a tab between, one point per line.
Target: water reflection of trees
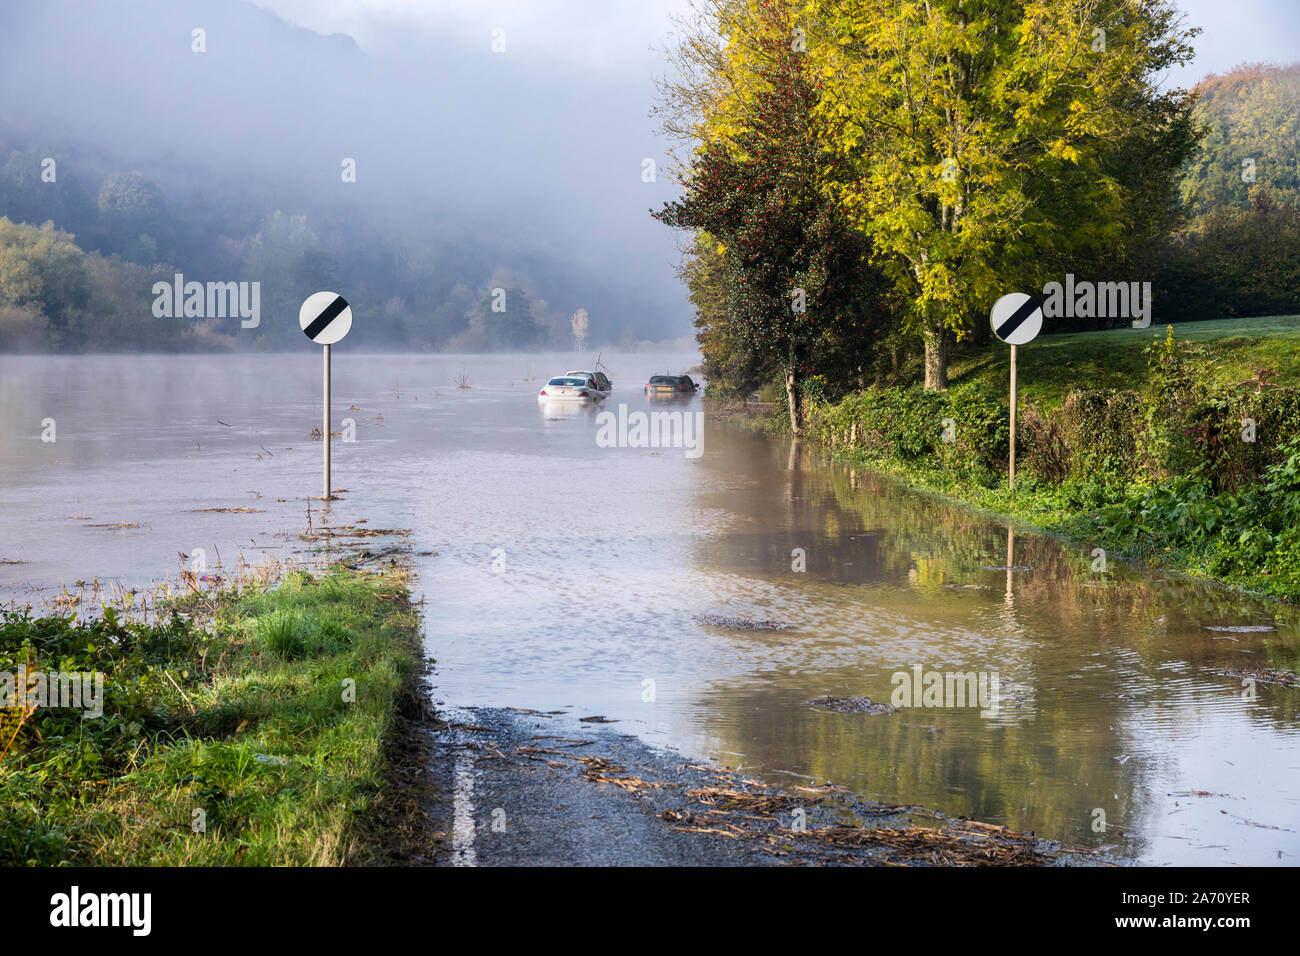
1087	656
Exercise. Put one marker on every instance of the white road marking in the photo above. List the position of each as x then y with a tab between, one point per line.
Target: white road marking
462	823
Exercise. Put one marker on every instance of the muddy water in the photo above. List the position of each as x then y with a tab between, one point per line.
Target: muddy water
563	575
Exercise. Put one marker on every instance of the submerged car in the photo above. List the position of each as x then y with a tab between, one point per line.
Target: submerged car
572	388
600	378
670	386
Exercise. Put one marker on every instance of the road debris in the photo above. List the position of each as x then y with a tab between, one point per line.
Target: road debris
740	623
1265	676
850	705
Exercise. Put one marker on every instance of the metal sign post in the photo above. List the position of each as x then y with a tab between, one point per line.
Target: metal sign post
326	494
325	317
1010	463
1016	319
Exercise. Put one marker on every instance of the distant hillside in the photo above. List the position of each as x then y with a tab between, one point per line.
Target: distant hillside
1252	146
232	165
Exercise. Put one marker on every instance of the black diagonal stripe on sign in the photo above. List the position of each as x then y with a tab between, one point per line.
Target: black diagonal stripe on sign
1027	308
325	318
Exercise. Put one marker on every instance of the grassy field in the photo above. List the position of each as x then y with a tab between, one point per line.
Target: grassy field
250	729
1051	365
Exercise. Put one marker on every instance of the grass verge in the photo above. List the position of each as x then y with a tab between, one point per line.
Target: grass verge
1178	452
1249	541
261	732
1050	366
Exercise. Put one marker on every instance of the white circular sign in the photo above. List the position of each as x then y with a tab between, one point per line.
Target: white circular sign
1016	318
326	317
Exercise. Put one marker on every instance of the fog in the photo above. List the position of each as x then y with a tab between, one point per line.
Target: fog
536	151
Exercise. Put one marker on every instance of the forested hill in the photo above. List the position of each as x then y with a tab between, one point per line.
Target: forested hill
212	139
1238	253
1252	115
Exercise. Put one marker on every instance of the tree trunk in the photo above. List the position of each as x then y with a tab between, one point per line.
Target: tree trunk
795	402
936	358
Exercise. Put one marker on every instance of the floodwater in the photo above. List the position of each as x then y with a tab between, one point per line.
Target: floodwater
561	574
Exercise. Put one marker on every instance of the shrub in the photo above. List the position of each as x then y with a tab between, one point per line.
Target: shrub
1100	429
1043	442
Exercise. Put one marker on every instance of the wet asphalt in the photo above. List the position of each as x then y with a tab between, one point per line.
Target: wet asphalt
521	788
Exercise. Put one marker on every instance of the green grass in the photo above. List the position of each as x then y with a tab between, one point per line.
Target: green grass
1157	473
1050	366
240	714
1134	529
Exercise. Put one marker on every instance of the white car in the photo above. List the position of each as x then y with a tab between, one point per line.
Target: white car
571	388
600	378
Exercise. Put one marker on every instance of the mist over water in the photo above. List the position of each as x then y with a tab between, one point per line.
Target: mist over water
558	574
474	166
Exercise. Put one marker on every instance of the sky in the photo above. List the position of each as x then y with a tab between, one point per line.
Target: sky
574	34
1239	31
616	35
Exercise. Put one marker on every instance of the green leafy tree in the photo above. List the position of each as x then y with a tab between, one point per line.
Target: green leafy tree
43	272
1235	262
1253	119
792	261
731	368
54	295
979	133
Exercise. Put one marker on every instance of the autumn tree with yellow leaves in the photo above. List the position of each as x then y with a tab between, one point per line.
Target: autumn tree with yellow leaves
982	134
974	144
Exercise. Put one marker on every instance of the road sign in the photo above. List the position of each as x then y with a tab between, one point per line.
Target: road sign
326	317
1016	318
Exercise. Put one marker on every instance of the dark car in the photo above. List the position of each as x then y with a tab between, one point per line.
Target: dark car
670	386
601	379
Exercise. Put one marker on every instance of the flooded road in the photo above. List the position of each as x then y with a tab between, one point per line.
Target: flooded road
562	574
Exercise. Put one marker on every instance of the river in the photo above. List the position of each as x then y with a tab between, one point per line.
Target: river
561	574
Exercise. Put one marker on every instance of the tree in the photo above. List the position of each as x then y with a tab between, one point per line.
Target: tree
731	368
979	131
1234	263
579	323
131	208
43	273
1253	115
55	295
761	187
506	320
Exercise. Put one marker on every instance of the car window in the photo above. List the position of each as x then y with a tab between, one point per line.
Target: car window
663	380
